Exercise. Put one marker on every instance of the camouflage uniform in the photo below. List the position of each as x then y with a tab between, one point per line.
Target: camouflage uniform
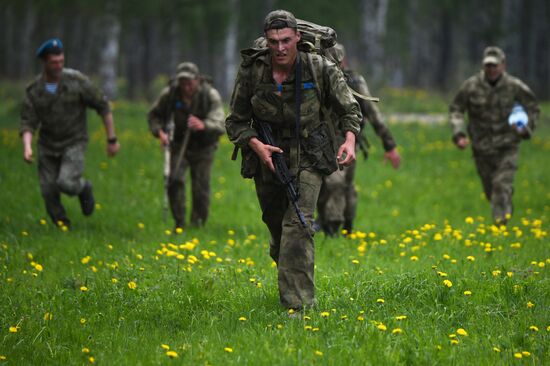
199	155
63	134
337	203
495	143
254	96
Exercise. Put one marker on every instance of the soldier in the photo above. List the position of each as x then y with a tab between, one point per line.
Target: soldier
55	105
265	90
337	203
197	111
488	98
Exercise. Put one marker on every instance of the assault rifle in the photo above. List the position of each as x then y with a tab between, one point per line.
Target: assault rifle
281	170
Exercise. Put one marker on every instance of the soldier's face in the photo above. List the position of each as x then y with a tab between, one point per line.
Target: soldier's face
493	71
282	45
189	87
53	65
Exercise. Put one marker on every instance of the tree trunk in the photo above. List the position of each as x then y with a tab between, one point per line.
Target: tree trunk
25	37
230	50
373	30
109	51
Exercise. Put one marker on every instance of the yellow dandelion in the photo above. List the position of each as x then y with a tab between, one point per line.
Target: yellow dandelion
355	261
132	285
380	301
471	258
308	327
438	237
414	258
360	318
172	354
526	353
114	280
447	283
467	293
469	220
14	329
397	331
325	314
91	359
382	327
454	341
534	328
85	350
228	349
179	230
165	346
141	225
318	353
530	305
242	319
82	320
83	288
496	349
462	332
48	317
518	355
401	317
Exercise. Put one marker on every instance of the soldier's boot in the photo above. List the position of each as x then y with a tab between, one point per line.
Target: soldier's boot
332	228
54	207
87	201
348	225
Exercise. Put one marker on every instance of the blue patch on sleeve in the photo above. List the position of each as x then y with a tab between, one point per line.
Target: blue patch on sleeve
179	104
309	85
280	88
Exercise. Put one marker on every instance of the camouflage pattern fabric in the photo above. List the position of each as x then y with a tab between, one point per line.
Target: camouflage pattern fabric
495	143
60	118
292	248
206	105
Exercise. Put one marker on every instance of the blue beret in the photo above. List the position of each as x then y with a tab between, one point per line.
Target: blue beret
47	47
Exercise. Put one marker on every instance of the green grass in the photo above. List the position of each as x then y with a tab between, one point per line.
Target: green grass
194	308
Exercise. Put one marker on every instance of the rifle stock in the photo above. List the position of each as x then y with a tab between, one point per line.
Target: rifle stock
281	170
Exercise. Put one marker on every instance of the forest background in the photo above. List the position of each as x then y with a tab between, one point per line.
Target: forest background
133	47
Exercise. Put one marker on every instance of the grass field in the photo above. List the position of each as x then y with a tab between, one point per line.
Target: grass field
426	279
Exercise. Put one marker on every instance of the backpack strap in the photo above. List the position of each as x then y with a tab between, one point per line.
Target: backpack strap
317	65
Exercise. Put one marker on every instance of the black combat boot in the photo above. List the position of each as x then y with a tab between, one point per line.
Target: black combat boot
86	197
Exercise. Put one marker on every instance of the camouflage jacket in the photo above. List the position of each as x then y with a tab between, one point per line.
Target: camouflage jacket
61	117
488	109
206	105
369	109
323	86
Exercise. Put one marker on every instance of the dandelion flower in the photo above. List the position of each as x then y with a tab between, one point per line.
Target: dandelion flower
91	359
325	314
467	293
447	283
530	305
172	354
165	346
401	317
14	329
380	301
462	332
83	288
397	331
82	320
48	317
132	285
382	327
518	355
534	328
318	353
242	319
85	350
496	349
141	225
471	258
469	220
228	349
526	353
454	341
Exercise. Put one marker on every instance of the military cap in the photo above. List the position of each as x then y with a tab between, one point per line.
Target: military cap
278	19
53	45
337	53
493	55
187	70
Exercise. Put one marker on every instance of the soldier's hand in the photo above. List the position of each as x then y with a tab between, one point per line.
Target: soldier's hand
346	152
27	155
195	123
163	137
462	143
394	158
112	149
264	152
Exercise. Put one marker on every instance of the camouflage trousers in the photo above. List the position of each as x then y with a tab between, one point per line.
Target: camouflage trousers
497	177
292	246
337	203
199	162
60	173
